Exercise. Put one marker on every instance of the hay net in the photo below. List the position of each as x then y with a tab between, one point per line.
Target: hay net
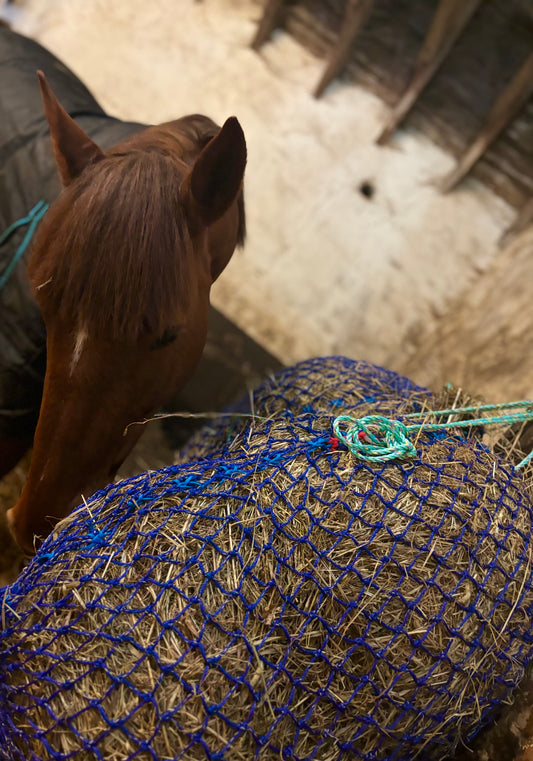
278	599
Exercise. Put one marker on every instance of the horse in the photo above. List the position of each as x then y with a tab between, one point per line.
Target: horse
108	320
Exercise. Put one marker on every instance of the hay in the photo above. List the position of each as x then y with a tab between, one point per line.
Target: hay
312	391
316	391
280	601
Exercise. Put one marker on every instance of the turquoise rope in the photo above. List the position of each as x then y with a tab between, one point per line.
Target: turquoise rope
32	220
379	439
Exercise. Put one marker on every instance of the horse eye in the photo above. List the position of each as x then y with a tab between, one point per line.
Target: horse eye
168	337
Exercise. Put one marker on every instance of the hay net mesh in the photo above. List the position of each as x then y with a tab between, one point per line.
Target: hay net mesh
276	598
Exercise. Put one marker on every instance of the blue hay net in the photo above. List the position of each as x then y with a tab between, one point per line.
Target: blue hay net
275	598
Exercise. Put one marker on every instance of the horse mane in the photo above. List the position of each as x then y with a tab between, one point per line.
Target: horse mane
114	253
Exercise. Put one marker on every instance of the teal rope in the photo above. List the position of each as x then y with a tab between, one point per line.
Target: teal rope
379	439
32	220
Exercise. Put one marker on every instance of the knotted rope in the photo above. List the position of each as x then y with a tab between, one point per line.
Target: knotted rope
376	438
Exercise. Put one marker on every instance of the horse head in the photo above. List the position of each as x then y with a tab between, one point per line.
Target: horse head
121	268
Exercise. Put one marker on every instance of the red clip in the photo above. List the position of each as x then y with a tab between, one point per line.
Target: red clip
361	436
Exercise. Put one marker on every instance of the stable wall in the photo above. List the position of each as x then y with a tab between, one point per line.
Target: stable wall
325	269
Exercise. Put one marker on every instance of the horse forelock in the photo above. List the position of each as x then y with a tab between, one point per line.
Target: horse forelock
114	252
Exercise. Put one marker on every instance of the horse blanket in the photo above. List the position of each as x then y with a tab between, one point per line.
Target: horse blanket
28	174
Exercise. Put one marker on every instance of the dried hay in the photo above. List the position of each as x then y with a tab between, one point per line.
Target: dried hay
314	390
282	601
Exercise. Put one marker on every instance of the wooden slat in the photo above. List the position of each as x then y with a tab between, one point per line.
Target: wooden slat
268	23
507	106
483	60
357	12
524	218
450	19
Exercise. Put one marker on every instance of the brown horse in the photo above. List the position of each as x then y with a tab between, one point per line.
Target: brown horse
121	268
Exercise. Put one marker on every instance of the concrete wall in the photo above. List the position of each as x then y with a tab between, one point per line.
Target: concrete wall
485	341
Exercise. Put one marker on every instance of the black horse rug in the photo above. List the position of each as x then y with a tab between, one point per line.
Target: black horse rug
28	175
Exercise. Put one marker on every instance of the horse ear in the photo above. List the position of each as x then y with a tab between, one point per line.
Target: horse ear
73	149
216	177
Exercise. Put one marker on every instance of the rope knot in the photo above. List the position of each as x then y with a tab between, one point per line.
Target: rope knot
374	437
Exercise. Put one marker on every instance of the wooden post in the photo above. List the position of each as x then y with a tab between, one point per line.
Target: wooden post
357	12
508	105
524	218
450	19
268	23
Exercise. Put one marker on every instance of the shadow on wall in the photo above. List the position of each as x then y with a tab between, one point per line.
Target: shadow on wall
484	342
